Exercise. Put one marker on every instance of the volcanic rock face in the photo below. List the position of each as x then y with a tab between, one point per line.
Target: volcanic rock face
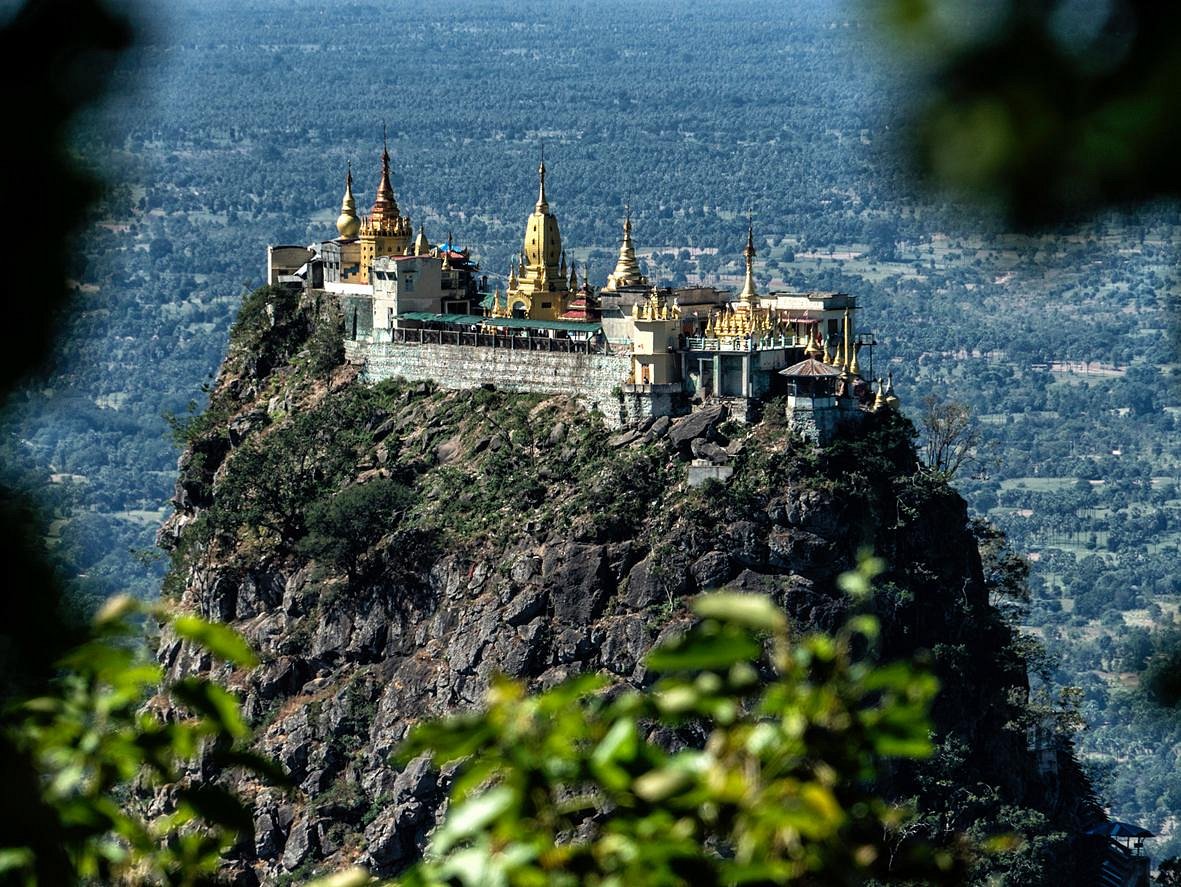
522	544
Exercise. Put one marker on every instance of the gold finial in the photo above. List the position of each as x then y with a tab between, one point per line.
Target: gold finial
447	253
512	274
347	223
542	203
573	278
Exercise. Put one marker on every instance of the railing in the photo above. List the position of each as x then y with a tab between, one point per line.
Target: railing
423	336
743	343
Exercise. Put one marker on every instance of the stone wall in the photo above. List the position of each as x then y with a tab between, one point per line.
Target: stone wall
820	419
357	311
595	380
645	401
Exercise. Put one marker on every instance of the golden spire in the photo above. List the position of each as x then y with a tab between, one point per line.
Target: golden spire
854	366
573	278
447	254
512	274
384	205
347	223
825	356
541	270
627	269
892	400
749	295
812	350
879	401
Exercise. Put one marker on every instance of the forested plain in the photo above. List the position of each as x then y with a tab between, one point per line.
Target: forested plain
233	129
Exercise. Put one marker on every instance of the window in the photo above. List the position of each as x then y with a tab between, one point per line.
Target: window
545	304
408	282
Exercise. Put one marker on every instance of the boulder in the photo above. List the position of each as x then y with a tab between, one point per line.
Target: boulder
579	581
240	427
700	423
624	438
659	428
301	845
712	570
652	582
623	644
704	449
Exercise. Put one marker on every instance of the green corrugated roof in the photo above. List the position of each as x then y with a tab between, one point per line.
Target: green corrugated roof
516	323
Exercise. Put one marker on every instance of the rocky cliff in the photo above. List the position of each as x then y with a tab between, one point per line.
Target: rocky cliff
387	549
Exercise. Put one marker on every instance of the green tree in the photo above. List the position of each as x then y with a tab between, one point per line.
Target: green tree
341	527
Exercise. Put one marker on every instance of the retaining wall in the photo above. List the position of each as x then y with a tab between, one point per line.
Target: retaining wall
595	380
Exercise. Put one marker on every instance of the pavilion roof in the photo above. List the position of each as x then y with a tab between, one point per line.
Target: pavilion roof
810	368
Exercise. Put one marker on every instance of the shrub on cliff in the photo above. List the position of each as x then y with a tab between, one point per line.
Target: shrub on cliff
342	526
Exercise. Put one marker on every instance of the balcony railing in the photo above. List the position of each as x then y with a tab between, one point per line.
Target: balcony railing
423	336
744	343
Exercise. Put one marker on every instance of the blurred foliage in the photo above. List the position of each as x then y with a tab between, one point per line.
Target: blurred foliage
750	760
77	803
1162	672
1047	108
1169	873
75	43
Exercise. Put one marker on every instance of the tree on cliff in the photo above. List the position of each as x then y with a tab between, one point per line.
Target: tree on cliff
949	435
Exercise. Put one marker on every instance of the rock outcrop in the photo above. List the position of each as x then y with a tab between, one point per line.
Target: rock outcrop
524	544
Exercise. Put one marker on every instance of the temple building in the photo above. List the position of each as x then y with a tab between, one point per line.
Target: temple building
384	232
629	349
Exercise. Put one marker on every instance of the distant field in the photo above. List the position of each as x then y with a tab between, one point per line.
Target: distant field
1038	484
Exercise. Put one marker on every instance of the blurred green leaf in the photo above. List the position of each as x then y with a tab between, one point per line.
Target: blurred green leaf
696	651
222	642
210	700
472	816
749	610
